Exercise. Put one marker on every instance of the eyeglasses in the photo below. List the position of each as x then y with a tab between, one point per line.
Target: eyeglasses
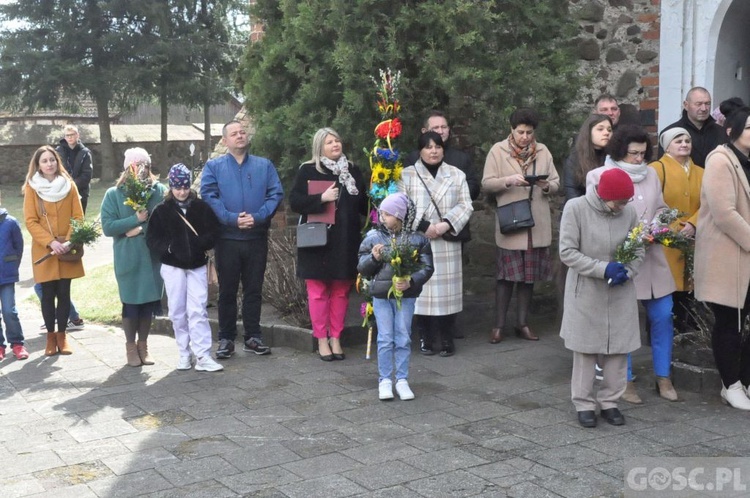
70	135
637	153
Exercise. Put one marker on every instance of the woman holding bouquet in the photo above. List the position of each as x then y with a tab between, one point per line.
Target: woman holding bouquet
681	183
443	205
330	271
125	213
630	150
600	316
51	200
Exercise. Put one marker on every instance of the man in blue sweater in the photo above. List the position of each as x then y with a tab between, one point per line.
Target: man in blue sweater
244	191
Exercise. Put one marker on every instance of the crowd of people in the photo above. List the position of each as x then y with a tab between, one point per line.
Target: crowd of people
610	185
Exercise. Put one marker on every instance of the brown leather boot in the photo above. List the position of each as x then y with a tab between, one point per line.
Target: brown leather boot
62	343
131	352
143	353
631	395
51	348
665	388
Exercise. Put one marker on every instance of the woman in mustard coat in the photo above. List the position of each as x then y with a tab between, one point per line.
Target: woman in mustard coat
51	200
681	183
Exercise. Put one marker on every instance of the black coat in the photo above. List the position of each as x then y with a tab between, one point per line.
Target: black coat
460	160
169	236
77	162
706	139
338	259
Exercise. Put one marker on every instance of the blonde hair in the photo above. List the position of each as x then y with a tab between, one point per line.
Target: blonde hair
319	141
70	127
34	165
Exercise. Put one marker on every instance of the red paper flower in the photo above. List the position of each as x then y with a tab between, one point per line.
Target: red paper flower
388	129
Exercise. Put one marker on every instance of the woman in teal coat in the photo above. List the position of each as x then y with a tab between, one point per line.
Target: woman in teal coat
136	266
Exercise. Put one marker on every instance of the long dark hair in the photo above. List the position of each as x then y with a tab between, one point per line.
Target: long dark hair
587	158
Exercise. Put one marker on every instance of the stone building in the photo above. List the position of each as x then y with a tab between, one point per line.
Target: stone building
649	53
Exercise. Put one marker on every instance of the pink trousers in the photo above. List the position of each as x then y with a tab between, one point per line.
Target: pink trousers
328	301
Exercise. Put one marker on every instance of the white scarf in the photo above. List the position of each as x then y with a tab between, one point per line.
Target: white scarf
341	168
636	172
50	191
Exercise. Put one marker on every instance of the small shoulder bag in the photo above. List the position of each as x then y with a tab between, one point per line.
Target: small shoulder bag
463	236
516	215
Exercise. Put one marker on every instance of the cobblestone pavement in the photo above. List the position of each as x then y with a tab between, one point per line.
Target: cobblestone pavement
492	421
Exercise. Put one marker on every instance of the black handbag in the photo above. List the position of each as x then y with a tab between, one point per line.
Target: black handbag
463	236
516	215
312	235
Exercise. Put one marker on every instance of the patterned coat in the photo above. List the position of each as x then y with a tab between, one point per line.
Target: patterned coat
443	293
681	191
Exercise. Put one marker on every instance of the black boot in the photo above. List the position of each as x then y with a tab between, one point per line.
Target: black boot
422	324
447	323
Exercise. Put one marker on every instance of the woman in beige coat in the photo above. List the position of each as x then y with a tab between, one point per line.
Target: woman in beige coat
722	255
51	200
600	316
522	256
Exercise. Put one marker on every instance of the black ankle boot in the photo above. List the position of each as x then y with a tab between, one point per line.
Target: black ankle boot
447	348
425	348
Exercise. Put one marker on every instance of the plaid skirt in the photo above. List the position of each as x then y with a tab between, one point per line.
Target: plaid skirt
531	265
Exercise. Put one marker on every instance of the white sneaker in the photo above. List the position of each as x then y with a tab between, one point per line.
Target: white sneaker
208	364
185	363
403	390
385	390
735	396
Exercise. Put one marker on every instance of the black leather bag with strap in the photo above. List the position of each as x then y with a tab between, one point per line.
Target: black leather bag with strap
76	250
463	236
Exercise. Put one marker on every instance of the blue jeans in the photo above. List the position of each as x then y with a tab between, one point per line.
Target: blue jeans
13	330
659	313
394	336
73	315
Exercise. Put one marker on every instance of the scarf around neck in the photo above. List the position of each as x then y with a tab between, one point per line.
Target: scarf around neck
341	169
50	191
524	155
636	172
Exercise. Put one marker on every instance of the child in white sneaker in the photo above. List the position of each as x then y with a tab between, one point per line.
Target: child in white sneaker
393	316
182	229
11	250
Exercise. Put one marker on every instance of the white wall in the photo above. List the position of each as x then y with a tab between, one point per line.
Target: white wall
693	32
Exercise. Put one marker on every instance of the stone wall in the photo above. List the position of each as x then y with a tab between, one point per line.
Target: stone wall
618	47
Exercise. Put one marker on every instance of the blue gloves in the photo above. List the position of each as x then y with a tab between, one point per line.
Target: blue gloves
613	268
615	273
620	278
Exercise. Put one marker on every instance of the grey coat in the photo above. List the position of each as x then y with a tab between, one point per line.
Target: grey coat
597	318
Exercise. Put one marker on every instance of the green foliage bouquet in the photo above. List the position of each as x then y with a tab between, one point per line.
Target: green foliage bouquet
404	259
137	191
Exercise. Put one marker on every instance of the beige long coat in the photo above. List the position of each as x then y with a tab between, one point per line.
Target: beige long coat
597	318
443	293
722	240
59	214
497	167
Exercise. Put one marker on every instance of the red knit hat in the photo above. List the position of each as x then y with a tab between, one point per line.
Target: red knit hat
615	185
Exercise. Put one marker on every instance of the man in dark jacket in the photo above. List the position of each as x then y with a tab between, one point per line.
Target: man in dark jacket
76	158
437	122
696	118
